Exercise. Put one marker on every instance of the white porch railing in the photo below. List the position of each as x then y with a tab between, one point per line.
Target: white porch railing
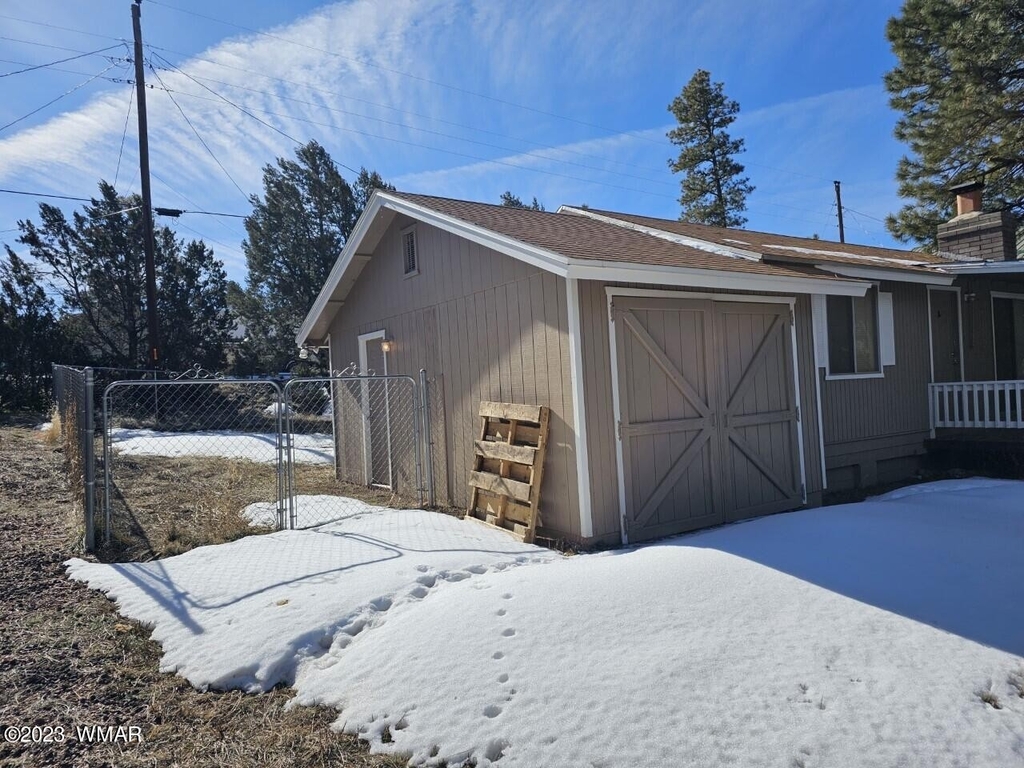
976	404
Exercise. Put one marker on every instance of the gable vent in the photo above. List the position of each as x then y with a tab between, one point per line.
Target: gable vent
409	249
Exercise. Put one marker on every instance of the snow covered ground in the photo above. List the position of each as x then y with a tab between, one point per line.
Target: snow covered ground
254	446
309	510
864	634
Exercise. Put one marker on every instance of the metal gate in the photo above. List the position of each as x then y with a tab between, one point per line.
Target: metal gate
202	459
707	412
375	456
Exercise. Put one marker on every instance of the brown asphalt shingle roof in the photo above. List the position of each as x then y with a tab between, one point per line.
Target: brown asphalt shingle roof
579	237
781	246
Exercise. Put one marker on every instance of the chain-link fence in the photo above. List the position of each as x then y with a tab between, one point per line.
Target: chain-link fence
372	425
74	416
190	461
200	459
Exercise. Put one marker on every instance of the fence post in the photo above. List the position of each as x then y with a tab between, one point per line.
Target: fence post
281	479
428	442
89	461
106	461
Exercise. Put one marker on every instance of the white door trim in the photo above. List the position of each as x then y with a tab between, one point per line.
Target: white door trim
364	391
960	330
611	292
579	411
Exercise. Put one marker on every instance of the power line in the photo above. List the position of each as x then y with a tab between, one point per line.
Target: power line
455	153
442	134
215	213
54	101
93	200
389	107
22	41
63	29
231	248
365	62
242	109
58	61
42	194
637	134
537	155
866	216
119	80
196	132
124	134
440	84
192	202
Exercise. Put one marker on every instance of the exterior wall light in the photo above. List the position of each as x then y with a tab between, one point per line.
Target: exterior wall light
386	345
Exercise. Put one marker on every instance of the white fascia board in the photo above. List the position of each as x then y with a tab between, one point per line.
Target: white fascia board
894	275
538	257
985	268
587	269
673	237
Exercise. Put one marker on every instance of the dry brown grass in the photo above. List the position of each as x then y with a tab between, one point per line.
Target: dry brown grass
68	659
53	433
164	506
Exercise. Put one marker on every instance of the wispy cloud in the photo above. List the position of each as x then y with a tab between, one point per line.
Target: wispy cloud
606	64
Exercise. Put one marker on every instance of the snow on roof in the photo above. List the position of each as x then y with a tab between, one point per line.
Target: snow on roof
848	255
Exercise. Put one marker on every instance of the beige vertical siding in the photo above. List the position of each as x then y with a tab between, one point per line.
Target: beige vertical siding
600	412
486	327
870	420
979	353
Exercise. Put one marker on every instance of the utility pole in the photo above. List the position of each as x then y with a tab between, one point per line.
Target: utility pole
147	197
839	210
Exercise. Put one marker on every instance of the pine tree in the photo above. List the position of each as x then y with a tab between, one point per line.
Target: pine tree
30	334
97	267
513	201
714	189
959	84
295	234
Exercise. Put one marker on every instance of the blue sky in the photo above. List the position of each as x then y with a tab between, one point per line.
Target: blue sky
464	98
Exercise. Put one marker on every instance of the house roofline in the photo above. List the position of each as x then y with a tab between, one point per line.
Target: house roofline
884	273
985	268
692	242
918	272
550	261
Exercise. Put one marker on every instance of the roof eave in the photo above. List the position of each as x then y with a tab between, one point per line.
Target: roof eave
985	268
698	277
326	302
894	274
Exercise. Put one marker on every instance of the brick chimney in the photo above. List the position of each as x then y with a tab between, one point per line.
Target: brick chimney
972	234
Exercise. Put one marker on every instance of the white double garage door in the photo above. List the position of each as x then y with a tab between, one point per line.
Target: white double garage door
708	412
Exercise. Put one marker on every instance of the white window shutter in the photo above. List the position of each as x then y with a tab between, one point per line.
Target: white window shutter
886	330
819	323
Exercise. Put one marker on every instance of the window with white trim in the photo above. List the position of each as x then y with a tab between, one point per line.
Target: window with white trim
853	339
412	266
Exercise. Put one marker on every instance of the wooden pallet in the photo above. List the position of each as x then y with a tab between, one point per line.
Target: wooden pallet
508	467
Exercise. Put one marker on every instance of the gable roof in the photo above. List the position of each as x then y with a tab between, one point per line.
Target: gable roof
574	244
588	239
